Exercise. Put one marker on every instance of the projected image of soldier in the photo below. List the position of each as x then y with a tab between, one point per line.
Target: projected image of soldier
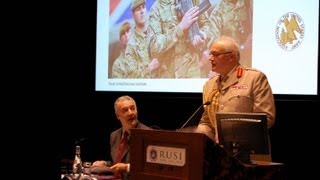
176	34
139	65
119	65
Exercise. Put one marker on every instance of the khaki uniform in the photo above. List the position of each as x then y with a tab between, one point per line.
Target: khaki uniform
172	47
137	56
250	92
119	67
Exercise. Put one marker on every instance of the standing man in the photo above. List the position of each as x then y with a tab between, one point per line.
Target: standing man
235	89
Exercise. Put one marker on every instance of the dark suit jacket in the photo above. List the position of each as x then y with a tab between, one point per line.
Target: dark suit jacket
114	143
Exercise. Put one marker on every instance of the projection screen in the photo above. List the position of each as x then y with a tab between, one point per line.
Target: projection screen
279	38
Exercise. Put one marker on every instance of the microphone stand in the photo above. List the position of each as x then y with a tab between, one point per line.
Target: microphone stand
191	117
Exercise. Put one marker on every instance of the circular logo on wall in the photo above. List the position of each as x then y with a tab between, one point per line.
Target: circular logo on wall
290	31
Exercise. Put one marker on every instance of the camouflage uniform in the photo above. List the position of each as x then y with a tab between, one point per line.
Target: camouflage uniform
168	43
118	67
228	18
137	56
136	51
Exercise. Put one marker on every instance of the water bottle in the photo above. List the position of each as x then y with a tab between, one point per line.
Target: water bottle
77	164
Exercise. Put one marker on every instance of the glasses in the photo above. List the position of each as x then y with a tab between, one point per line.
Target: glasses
216	54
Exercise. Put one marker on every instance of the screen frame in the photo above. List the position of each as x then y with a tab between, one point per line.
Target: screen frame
282	96
253	122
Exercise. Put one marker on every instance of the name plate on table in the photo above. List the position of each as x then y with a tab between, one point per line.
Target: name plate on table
166	155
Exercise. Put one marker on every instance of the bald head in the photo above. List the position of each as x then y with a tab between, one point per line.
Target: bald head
227	44
224	55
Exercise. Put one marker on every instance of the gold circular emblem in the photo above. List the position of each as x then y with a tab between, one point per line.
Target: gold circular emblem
290	31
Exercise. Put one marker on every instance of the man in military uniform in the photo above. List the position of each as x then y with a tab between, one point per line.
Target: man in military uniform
138	62
119	65
169	40
235	89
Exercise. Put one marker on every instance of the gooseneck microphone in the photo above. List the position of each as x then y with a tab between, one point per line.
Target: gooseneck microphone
192	116
80	141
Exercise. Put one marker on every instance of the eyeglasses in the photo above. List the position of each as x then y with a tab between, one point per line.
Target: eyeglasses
216	54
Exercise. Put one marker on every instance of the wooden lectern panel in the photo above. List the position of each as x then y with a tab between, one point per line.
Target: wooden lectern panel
160	154
176	155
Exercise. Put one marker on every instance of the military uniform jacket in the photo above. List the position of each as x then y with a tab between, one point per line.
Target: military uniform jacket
119	67
243	90
137	57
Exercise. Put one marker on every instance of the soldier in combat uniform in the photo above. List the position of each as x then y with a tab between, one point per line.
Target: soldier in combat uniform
169	41
139	64
119	65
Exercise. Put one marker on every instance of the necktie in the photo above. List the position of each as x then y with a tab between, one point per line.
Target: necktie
122	146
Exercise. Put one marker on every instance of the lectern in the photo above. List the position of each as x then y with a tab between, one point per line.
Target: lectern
176	155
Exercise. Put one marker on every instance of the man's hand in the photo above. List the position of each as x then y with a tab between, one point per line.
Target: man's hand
100	163
119	167
198	41
154	64
189	18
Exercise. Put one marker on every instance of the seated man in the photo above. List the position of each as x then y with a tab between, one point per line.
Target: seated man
127	113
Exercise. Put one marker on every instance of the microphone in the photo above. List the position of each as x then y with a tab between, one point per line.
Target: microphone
80	141
192	116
